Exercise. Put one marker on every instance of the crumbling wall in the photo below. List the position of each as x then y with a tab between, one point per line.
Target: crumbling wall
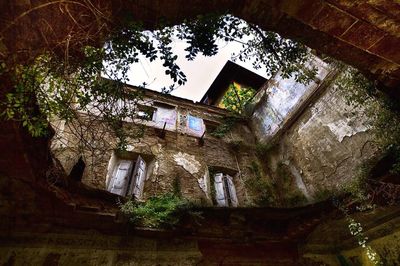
96	249
331	242
175	157
325	145
275	103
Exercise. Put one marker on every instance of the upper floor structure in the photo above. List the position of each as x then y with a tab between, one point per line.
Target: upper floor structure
293	143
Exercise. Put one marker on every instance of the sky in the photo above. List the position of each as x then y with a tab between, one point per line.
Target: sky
200	72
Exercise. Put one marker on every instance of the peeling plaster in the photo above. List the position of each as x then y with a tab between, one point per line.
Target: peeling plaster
299	180
188	162
155	149
346	128
203	183
338	124
156	166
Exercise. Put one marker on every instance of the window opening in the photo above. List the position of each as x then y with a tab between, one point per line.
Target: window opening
145	112
165	114
225	192
195	125
210	126
128	177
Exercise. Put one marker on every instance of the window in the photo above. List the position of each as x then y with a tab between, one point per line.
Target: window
165	114
195	126
225	192
145	112
127	177
211	126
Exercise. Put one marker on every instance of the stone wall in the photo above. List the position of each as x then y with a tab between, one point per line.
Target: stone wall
331	242
364	34
321	142
178	156
95	249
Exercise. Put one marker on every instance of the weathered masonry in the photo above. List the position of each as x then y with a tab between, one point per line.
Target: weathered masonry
175	148
318	145
73	224
314	147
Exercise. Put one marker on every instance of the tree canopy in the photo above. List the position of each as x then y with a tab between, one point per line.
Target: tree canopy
63	87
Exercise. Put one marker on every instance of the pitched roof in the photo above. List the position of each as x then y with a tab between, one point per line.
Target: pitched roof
231	72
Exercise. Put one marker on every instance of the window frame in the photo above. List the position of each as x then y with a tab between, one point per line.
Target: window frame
145	109
137	165
158	106
228	188
192	131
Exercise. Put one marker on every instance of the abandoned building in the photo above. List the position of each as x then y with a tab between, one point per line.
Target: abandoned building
266	185
179	144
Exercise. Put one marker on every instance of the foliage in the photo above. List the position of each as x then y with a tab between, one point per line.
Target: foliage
259	186
290	194
236	98
382	112
236	145
262	48
262	149
227	125
357	88
20	105
160	211
387	129
356	230
357	187
66	85
268	49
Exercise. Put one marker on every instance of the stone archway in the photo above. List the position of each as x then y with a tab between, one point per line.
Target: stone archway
365	34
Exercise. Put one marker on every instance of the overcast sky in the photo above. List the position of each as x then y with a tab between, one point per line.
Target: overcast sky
200	72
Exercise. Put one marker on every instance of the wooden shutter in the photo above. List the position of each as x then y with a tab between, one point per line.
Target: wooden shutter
232	191
119	182
138	178
219	190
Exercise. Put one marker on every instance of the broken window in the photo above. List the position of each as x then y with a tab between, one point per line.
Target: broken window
145	112
128	177
225	192
165	115
195	125
211	126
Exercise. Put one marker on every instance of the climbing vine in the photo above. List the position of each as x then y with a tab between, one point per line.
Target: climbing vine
63	86
226	126
383	112
356	230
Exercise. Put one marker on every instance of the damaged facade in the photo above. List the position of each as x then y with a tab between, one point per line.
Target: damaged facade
47	224
175	149
315	145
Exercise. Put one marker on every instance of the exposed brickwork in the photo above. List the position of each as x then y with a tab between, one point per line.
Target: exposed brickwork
28	33
366	35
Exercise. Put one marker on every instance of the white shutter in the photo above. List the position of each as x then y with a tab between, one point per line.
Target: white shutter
120	179
219	190
138	178
232	191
